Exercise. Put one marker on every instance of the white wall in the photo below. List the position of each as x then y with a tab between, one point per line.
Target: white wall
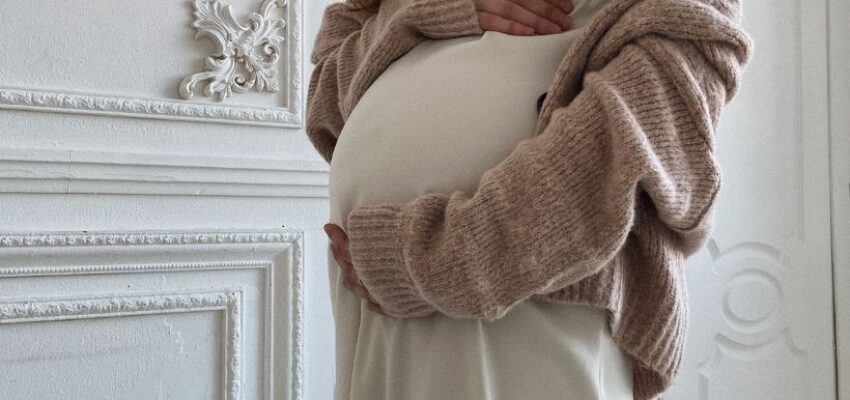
760	292
95	137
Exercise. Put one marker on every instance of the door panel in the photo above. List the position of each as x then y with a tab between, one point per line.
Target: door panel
761	323
182	314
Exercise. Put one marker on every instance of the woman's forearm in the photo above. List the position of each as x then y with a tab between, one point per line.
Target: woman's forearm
634	148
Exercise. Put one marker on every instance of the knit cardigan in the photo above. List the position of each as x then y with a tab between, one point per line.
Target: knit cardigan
601	206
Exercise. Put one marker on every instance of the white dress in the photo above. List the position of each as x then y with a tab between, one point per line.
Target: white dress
435	121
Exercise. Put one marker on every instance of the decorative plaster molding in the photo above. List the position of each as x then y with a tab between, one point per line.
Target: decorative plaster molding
253	50
140	238
287	115
228	300
63	309
35	170
291	241
296	308
130	268
82	103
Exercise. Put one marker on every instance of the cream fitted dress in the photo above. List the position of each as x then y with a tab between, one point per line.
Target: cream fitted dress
435	121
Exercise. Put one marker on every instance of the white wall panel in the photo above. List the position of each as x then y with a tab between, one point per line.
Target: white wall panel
94	136
192	314
33	170
761	301
127	58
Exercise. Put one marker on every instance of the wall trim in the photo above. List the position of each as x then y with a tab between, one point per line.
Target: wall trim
68	308
33	170
25	254
82	102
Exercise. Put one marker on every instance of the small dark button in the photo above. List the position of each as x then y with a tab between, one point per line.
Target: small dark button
540	101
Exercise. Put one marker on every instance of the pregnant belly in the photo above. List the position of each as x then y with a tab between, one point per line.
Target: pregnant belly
441	116
435	121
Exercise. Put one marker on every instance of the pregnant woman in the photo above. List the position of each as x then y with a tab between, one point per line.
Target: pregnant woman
514	188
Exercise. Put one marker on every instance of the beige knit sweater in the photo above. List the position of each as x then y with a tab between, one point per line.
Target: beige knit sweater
602	206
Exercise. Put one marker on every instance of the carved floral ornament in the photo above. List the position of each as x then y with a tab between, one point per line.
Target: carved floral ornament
246	56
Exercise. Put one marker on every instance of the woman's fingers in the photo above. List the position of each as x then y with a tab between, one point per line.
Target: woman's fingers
339	240
335	251
352	281
349	274
540	15
376	308
360	291
514	12
364	294
566	5
339	248
350	278
549	9
493	22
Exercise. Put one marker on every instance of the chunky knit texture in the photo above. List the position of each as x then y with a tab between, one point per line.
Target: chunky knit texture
601	206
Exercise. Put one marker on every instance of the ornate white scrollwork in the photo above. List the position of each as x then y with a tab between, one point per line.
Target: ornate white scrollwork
245	58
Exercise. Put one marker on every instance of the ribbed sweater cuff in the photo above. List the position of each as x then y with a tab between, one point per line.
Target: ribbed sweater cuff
647	384
442	19
376	246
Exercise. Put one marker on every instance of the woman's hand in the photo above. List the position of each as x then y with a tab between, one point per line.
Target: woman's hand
524	17
339	247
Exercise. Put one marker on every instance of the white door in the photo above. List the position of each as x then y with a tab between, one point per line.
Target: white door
761	322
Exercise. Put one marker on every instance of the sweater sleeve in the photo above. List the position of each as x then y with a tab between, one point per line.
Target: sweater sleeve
353	47
562	204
